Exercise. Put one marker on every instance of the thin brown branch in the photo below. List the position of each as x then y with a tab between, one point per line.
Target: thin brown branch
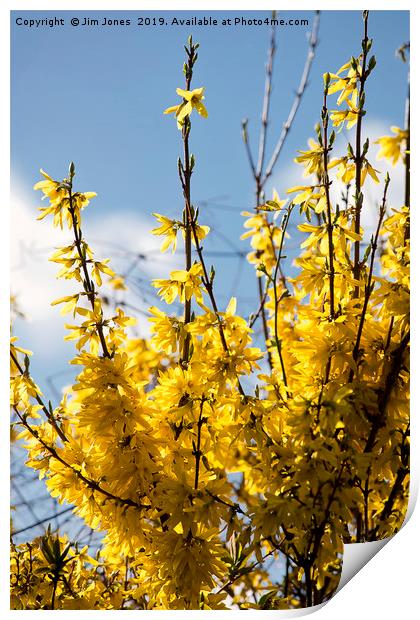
261	177
359	156
48	413
42	521
397	487
397	356
92	484
245	138
88	284
369	287
320	529
326	184
407	153
284	225
208	284
261	306
266	101
197	447
312	44
186	172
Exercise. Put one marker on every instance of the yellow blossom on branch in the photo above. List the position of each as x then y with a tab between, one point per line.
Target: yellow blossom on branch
312	159
192	100
169	229
350	116
58	196
346	170
309	197
183	283
348	84
393	147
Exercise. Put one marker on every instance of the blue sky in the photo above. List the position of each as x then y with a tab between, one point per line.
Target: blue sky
95	95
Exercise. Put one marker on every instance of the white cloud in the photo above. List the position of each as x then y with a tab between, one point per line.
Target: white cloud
33	278
125	234
120	236
291	174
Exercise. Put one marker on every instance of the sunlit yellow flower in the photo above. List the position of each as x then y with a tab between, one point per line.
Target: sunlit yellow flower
58	195
192	99
346	170
169	229
185	284
393	147
312	159
347	84
309	197
166	330
339	117
369	170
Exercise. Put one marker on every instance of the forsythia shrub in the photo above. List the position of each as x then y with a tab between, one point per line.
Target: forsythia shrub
195	482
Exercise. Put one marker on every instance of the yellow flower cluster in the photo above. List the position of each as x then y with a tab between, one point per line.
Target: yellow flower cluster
52	573
194	477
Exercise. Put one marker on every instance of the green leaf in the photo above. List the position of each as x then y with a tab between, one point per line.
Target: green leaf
266	598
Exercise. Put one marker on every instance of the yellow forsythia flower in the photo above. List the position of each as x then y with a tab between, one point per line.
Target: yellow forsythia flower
185	284
392	147
192	99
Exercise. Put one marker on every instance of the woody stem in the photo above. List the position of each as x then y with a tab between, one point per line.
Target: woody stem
186	184
331	273
359	156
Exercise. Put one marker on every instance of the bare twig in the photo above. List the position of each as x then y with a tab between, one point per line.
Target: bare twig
260	176
92	484
284	225
326	184
312	44
50	416
359	157
266	102
42	521
369	287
